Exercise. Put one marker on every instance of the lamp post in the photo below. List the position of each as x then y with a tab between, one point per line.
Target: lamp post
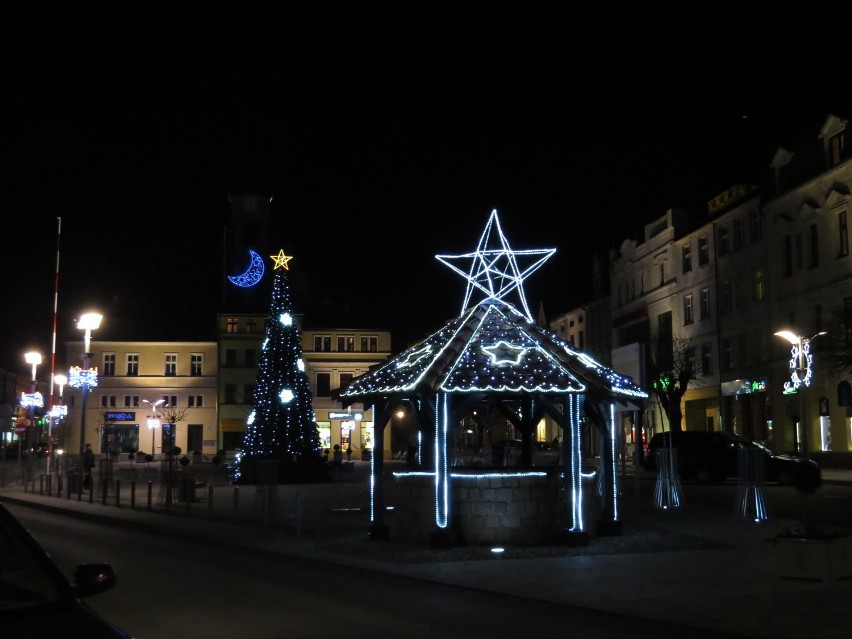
34	401
56	412
153	422
85	378
801	375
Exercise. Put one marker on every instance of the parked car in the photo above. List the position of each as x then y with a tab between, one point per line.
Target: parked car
509	452
712	456
37	600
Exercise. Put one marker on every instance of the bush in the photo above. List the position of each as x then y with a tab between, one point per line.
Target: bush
149	458
184	461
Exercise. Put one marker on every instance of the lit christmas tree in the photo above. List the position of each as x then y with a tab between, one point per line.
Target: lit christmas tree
282	426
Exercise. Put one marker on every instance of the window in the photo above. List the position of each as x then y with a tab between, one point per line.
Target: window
109	364
814	253
788	256
323	384
758	285
131	401
345	379
706	360
687	309
843	233
322	343
835	149
171	364
251	325
196	364
800	252
170	400
755	226
581	338
195	401
107	401
686	258
233	325
738	234
703	252
705	303
369	344
250	358
230	357
248	393
723	240
725	296
727	354
230	393
345	343
132	364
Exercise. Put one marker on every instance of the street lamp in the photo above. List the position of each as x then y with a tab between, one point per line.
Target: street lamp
56	413
153	422
801	374
33	358
34	401
85	378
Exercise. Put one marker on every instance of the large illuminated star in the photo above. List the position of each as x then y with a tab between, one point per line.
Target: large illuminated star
494	267
281	260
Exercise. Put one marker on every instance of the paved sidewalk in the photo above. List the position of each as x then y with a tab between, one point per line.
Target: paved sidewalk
695	565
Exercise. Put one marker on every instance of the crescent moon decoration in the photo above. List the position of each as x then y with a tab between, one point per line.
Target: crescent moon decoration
252	275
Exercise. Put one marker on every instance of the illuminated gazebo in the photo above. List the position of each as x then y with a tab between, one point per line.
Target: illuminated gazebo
495	357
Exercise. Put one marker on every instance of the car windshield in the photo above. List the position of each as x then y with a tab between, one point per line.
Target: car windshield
24	580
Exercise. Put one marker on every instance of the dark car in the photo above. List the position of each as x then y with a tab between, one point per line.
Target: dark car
712	456
37	600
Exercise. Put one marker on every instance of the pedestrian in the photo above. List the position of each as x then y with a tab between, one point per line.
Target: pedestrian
88	464
349	452
338	456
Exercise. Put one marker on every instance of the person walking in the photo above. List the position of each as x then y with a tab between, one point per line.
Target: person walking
88	464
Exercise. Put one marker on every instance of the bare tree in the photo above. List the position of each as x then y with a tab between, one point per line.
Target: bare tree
836	345
672	368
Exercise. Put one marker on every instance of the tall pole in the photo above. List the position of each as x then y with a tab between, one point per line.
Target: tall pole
53	348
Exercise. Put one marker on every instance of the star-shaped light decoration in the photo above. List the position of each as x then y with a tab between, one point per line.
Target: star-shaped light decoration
503	352
415	356
494	267
281	260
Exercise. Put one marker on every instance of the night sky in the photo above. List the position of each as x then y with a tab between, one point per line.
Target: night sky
385	133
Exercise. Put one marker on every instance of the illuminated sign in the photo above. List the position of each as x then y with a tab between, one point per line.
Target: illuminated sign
119	417
347	416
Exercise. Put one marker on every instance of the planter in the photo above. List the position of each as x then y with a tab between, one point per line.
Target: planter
813	559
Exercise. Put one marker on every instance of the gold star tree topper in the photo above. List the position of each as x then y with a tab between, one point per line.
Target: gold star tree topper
281	260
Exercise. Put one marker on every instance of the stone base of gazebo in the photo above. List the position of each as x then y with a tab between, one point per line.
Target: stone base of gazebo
519	508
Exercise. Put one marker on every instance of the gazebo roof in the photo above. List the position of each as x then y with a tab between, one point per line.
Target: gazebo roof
491	348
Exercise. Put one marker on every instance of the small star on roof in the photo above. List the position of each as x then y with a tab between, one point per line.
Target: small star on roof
281	260
494	270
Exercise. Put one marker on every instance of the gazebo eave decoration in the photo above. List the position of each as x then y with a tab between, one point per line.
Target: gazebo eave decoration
495	353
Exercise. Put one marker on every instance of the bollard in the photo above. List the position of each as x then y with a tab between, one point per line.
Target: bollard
118	493
150	489
104	488
133	494
50	486
92	491
41	484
